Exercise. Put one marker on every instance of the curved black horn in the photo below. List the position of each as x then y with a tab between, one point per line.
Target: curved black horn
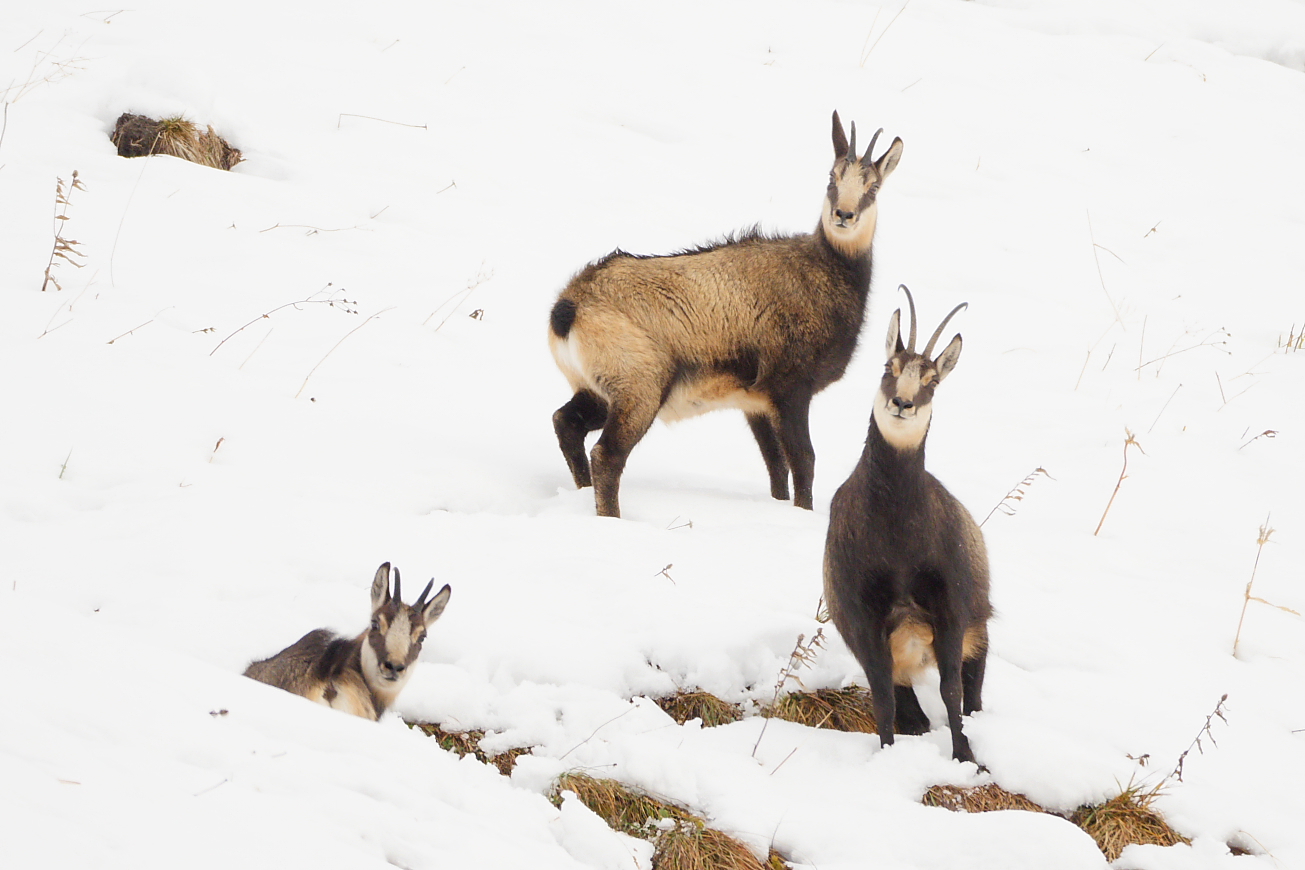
397	596
421	599
868	157
910	345
851	146
928	349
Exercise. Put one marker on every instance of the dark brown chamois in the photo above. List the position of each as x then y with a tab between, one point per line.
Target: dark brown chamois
360	675
906	571
759	323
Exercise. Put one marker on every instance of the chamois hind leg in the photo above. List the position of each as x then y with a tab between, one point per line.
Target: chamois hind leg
572	422
873	652
627	422
763	429
795	436
947	642
972	683
911	718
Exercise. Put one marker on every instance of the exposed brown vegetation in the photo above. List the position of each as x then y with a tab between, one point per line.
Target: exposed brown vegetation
139	136
847	709
468	743
1125	819
977	799
681	840
64	249
683	706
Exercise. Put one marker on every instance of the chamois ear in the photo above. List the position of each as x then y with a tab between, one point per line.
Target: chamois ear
893	345
946	360
888	162
381	587
433	608
840	138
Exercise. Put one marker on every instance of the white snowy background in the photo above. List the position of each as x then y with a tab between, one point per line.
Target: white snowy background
1116	188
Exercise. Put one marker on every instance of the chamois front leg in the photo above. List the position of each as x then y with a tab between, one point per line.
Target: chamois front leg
572	422
795	436
947	649
763	429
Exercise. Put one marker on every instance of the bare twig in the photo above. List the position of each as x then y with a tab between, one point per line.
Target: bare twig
865	55
1100	276
343	115
1162	409
803	654
461	296
130	331
64	467
1177	772
595	731
1205	342
665	572
304	385
1017	493
344	305
1129	440
1261	540
1267	433
64	249
312	229
1082	370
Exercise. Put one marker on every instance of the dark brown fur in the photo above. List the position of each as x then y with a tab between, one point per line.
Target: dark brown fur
756	322
906	571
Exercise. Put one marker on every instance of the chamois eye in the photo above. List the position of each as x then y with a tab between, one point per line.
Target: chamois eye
376	624
421	637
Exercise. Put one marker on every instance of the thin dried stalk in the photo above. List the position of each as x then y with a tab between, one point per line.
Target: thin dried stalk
1129	440
1265	534
64	249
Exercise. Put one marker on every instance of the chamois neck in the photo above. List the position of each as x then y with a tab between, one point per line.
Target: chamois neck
890	458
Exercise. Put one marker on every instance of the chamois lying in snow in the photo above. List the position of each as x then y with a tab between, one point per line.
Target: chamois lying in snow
361	675
760	323
906	571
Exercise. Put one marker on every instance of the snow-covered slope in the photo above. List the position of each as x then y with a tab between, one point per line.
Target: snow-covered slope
1115	188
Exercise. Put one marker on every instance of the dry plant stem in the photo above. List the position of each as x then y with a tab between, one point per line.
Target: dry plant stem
1082	370
1141	342
1017	493
595	731
1267	433
461	296
1177	772
1129	440
130	331
343	115
801	655
1100	276
865	55
343	304
1162	410
1261	540
63	249
304	385
1205	342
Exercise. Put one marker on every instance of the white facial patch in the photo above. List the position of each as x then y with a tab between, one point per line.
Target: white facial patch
904	430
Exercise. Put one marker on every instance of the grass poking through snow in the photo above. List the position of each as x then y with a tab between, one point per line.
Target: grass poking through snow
681	840
468	743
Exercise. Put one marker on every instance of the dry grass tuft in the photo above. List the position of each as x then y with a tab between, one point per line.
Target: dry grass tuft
847	709
139	136
978	799
683	706
681	840
1125	819
468	743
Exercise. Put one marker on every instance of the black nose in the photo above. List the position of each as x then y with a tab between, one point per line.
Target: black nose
902	404
393	668
844	215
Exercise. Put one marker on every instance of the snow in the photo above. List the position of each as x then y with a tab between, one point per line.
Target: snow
1115	188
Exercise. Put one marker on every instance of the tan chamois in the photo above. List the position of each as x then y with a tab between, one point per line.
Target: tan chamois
364	674
759	323
906	571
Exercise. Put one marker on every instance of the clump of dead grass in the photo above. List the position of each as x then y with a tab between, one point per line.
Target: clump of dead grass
1123	820
140	136
683	706
849	709
681	840
977	799
468	743
1126	819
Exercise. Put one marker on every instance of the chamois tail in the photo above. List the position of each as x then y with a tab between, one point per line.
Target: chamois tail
563	317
